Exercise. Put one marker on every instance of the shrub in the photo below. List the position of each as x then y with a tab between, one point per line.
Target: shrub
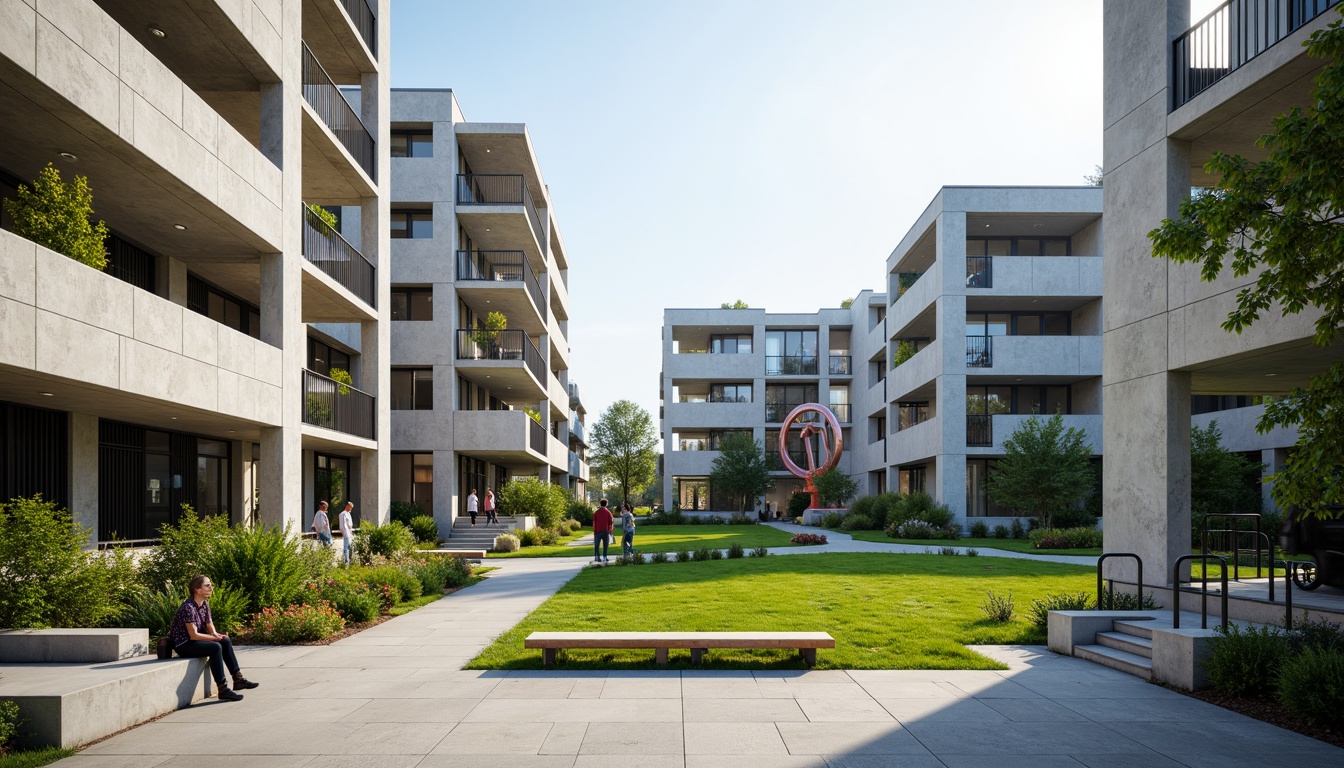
296	624
429	572
702	554
1070	538
59	216
716	554
665	517
832	520
912	529
1001	532
1073	517
949	551
354	600
10	721
549	538
392	540
972	552
834	487
921	506
638	559
798	504
530	496
458	572
49	580
759	552
405	586
1316	634
1017	530
979	529
1039	611
869	506
740	519
572	526
506	542
858	522
184	550
424	529
998	608
808	538
155	609
528	538
266	564
1311	686
658	557
1244	662
579	510
683	556
404	512
1123	601
735	551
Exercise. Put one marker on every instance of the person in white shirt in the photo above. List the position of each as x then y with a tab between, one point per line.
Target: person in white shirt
322	525
347	524
473	505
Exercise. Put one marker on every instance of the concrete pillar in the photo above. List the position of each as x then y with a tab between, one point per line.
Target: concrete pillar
176	281
445	490
1273	459
242	481
83	464
375	465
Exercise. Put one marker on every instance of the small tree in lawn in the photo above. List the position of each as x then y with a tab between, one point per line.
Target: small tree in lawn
741	470
623	447
531	497
835	487
57	215
1044	469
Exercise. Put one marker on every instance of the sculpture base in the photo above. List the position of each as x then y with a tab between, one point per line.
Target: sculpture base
815	516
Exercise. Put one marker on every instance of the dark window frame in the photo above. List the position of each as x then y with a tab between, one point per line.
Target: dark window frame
410	145
416	401
719	393
1013	318
1014	241
411	293
719	344
409	217
198	300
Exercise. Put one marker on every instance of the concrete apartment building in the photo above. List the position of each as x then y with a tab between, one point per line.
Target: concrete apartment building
196	368
474	233
1176	90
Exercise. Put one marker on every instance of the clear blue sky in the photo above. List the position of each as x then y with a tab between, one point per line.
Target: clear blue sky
771	151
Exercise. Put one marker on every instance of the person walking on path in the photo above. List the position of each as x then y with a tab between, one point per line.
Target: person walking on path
627	530
322	524
193	636
602	524
490	517
347	524
472	505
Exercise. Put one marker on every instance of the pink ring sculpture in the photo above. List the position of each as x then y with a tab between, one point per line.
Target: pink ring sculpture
806	433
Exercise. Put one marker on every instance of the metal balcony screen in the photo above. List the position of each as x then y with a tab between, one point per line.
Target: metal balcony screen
481	344
330	404
500	189
365	19
979	351
979	430
325	249
326	100
536	436
979	271
502	266
840	365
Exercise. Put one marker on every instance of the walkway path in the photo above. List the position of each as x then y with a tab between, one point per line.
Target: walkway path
843	542
395	696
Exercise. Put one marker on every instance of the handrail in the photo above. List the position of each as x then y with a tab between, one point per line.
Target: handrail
327	250
500	189
840	365
979	351
502	266
979	430
483	344
330	105
1110	603
329	404
365	18
1204	590
536	436
1236	549
791	365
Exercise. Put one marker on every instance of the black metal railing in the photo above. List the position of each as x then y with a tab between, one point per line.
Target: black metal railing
365	19
330	404
777	412
790	365
1108	602
1203	592
1231	35
502	266
840	365
979	271
326	100
481	344
841	411
979	352
536	436
500	189
1233	537
979	430
325	249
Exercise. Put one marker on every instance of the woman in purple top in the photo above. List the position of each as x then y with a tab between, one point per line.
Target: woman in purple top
193	635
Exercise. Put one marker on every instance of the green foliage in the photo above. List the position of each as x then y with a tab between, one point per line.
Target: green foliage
266	565
683	555
623	447
716	554
57	215
918	506
847	303
344	381
579	510
1018	530
904	351
741	471
392	540
1065	538
49	580
832	520
739	304
10	721
528	538
667	517
1040	609
798	504
658	558
703	553
1278	219
1045	468
298	623
835	487
979	529
404	511
1245	662
759	552
1123	601
1316	633
533	414
506	542
530	496
405	586
735	550
870	506
155	609
424	529
1001	532
999	608
354	600
34	758
1218	481
184	551
855	521
326	216
1311	686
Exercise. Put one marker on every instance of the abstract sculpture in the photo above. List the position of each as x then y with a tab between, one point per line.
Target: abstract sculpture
808	431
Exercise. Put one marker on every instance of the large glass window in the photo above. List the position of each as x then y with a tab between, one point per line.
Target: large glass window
412	389
1018	246
413	480
212	477
471	478
730	393
412	143
910	479
717	436
323	357
412	224
693	492
223	307
790	353
978	503
412	303
1022	398
737	344
796	451
782	398
988	401
910	414
332	483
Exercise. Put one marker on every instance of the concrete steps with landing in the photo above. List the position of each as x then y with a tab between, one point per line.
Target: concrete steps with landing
464	534
1128	647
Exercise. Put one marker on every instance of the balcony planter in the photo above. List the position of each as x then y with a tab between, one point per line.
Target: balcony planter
57	215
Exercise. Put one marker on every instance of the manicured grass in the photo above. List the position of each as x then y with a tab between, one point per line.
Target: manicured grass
1011	545
671	538
34	758
885	611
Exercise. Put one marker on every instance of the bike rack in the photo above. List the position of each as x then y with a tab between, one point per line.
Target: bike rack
1111	594
1236	549
1204	590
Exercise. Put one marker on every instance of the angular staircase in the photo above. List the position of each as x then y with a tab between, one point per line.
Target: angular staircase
1127	647
464	536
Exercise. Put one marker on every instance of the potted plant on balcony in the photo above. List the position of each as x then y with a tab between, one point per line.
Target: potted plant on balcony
344	381
904	351
56	215
486	337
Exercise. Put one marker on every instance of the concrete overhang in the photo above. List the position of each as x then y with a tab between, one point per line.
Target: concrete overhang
333	38
509	378
559	296
331	441
978	303
502	228
507	296
327	301
208	46
558	245
492	148
331	176
1028	224
1272	370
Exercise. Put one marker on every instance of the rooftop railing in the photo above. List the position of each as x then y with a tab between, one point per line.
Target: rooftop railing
326	100
500	189
329	404
325	249
482	344
366	21
502	266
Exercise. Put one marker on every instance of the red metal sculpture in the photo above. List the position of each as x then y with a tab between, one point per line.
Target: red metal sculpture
808	431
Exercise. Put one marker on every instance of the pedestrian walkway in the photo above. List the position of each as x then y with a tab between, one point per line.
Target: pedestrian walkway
843	542
395	696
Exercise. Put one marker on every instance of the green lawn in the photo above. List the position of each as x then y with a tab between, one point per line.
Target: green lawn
33	758
670	538
885	611
1011	545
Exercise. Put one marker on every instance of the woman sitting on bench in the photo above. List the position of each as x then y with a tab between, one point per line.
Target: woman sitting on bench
193	636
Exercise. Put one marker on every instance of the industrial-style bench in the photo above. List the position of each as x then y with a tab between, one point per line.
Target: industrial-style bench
807	643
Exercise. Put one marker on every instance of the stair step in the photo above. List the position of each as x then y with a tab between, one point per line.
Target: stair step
1136	627
1123	661
1121	641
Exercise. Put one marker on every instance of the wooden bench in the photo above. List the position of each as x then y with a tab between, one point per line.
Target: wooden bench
807	643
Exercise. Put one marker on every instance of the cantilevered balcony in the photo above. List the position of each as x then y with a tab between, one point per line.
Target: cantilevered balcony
500	189
325	249
508	359
329	404
337	114
503	275
365	18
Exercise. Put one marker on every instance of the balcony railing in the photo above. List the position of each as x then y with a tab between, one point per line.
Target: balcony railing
576	429
329	404
480	344
536	436
502	266
325	249
979	271
366	21
979	352
575	467
790	365
326	100
500	189
777	412
979	430
840	365
1233	34
841	411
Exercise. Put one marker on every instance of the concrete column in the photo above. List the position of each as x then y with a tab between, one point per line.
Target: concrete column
1273	459
83	464
176	281
242	480
375	466
445	490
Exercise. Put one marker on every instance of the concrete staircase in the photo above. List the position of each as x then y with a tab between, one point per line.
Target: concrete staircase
464	536
1127	647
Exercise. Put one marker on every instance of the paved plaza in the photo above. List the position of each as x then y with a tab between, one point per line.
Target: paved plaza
395	696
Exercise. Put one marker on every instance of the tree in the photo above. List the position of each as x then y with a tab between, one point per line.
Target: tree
530	496
1220	481
56	215
623	446
1281	219
741	470
1045	468
835	487
739	304
1095	178
847	303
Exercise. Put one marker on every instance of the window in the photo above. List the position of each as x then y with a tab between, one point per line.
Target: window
717	436
910	414
131	264
412	143
413	480
323	357
730	393
412	224
782	398
877	428
739	344
910	479
978	503
988	401
1018	246
1027	398
412	303
790	353
692	492
1017	324
471	477
222	307
796	451
212	477
839	404
331	482
412	389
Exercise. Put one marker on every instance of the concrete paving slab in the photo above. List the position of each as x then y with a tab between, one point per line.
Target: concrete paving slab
624	761
844	711
735	711
1014	761
642	688
564	739
634	739
411	711
364	761
942	710
756	739
756	761
239	761
847	738
570	711
1040	710
516	738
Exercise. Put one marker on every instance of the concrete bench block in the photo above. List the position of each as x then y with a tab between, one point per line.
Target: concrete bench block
1179	656
72	645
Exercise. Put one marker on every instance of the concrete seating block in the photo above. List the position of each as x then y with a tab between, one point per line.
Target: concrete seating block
1179	656
72	645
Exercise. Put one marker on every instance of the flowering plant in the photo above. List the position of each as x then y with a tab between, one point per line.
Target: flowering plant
296	624
808	538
